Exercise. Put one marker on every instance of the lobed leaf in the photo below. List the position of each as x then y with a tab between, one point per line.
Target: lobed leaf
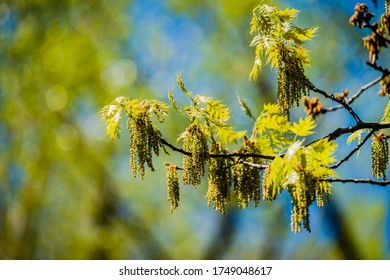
304	127
386	113
245	107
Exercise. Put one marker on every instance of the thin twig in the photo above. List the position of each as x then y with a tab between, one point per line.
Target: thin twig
355	95
242	155
356	181
341	131
377	67
353	151
331	136
340	101
230	155
255	165
374	29
164	142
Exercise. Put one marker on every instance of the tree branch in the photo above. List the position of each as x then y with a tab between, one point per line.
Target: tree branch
374	29
230	155
242	155
353	151
356	181
331	136
341	131
164	142
255	165
342	102
379	68
356	95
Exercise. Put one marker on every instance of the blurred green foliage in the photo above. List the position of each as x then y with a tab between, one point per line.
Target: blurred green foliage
66	191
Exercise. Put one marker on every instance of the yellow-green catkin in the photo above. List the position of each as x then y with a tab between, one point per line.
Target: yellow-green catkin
267	187
322	193
380	155
144	140
173	189
219	179
303	194
300	211
246	178
292	82
195	142
299	216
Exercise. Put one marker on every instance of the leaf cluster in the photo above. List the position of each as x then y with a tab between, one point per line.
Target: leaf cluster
211	115
275	133
145	137
300	172
280	42
273	31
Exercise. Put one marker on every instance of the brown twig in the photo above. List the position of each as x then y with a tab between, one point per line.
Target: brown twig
356	181
230	155
342	101
353	151
355	95
379	68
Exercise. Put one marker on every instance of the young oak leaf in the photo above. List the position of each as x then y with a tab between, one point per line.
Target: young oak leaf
113	126
182	85
111	114
245	108
303	127
356	135
386	113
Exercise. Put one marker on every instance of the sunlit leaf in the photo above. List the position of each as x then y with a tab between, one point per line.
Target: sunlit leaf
172	100
229	136
293	149
245	107
304	127
386	113
181	84
355	135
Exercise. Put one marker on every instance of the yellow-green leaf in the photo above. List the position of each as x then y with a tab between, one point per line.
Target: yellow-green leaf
245	107
386	113
288	14
113	125
229	136
356	135
181	85
304	127
172	100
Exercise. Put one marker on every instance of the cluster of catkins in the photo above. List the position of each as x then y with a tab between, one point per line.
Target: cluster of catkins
144	139
219	179
304	191
223	172
195	142
246	178
292	82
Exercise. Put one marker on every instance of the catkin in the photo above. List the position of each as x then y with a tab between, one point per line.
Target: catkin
292	82
219	179
303	193
267	186
195	142
246	179
380	155
173	189
144	140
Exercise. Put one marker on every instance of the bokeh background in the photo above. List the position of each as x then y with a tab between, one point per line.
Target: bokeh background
66	190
